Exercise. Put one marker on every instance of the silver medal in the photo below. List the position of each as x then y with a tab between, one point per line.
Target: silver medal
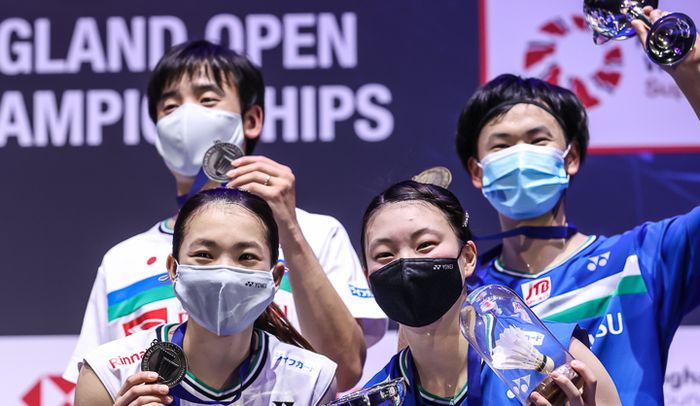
217	160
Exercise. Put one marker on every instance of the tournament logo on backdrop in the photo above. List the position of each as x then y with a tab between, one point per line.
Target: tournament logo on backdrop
49	390
541	60
616	81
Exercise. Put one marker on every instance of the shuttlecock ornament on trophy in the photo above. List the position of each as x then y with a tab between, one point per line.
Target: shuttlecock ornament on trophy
514	350
515	344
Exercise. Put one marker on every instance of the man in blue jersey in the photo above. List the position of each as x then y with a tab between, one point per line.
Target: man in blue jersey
521	141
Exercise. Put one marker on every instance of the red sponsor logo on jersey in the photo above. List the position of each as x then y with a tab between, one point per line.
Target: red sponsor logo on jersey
121	360
145	321
537	291
49	390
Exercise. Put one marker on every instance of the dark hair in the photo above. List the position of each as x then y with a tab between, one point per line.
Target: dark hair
492	100
436	196
220	63
272	320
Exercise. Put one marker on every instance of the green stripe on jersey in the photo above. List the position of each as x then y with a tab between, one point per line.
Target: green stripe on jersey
629	285
134	303
593	299
284	283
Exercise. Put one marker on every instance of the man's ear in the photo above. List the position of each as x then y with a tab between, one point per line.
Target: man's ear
278	273
253	122
171	264
475	172
572	162
468	259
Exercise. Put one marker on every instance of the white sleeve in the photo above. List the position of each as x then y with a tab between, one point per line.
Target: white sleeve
92	334
323	381
342	266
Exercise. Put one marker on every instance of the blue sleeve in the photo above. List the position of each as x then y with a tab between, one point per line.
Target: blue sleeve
564	332
669	260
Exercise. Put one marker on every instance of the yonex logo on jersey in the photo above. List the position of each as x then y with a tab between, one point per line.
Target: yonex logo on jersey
442	267
258	285
537	291
127	360
598	260
364	293
520	385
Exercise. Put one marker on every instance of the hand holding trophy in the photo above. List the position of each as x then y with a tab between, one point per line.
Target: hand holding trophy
517	346
670	39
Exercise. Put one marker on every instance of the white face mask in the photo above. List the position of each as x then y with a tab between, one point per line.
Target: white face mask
187	133
223	299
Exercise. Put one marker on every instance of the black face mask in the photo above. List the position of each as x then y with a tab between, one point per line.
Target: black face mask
417	291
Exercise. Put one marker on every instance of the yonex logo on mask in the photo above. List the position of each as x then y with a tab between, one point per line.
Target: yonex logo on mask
258	285
443	267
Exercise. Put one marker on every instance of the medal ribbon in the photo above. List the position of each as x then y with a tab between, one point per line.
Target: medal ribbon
198	184
536	232
178	392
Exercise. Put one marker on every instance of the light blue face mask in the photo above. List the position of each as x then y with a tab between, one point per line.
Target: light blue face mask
524	181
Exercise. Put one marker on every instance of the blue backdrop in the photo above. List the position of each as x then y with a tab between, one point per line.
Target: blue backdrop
411	68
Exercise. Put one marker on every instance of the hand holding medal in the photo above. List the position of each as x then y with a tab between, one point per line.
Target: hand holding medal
272	181
143	388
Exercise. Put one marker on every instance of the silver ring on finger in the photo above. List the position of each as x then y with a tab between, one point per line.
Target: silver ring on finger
267	180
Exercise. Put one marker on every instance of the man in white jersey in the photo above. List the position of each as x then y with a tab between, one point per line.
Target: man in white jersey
200	93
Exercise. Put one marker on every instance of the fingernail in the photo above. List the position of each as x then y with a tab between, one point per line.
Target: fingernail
575	364
169	399
163	389
555	375
230	173
153	375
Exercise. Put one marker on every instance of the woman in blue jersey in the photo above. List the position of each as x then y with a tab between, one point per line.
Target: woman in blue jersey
239	346
408	231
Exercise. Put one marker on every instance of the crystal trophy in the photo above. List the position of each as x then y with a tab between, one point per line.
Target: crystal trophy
389	393
517	346
670	39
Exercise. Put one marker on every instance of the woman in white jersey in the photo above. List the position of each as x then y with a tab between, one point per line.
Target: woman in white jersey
238	345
